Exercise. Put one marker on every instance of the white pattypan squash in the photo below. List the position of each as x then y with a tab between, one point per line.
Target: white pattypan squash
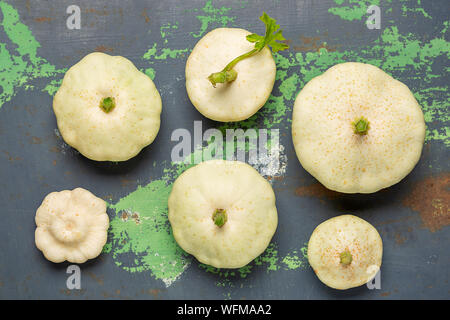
71	225
345	252
356	129
223	213
237	100
106	108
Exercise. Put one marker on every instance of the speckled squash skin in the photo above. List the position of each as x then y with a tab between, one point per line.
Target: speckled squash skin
340	234
323	130
237	100
243	193
120	134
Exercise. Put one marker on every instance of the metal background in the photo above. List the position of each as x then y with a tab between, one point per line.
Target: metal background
34	161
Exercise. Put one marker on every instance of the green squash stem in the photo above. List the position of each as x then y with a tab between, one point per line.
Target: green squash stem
108	104
361	126
228	74
219	217
346	258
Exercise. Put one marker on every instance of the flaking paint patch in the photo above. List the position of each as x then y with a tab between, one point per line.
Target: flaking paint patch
167	30
154	53
149	245
211	15
270	260
20	63
352	9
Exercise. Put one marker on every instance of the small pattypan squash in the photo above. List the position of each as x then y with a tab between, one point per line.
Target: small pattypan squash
356	129
106	108
247	93
71	225
345	252
223	213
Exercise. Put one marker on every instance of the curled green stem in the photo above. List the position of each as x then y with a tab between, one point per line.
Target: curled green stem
361	126
219	217
228	74
108	104
222	77
346	258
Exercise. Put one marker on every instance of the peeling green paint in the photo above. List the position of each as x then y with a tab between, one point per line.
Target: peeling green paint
352	9
167	30
269	260
19	60
162	54
408	10
149	245
210	15
150	72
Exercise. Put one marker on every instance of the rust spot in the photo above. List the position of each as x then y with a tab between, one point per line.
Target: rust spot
153	292
36	140
124	182
275	178
11	158
145	15
54	162
55	149
103	49
135	217
312	44
97	12
385	294
430	197
43	19
399	239
99	280
76	293
127	214
316	190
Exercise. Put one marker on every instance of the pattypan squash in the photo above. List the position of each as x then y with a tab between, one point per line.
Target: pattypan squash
252	82
106	108
345	252
71	225
223	213
356	129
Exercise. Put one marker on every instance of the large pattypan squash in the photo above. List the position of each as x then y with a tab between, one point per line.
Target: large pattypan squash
71	225
345	252
223	213
106	108
241	98
356	129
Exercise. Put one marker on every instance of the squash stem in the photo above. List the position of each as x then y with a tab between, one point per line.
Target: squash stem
361	126
346	258
228	74
219	217
108	104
